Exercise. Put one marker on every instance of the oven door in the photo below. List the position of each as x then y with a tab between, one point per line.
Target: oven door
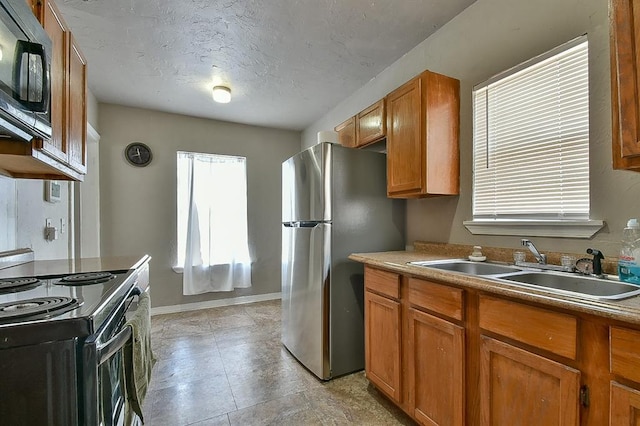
103	370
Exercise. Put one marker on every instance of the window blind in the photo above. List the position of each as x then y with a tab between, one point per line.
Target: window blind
531	139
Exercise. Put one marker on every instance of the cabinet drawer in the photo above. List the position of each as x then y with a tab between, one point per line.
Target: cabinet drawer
548	330
625	352
382	282
434	297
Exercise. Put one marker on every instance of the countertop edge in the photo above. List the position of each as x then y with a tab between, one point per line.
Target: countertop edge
627	310
44	268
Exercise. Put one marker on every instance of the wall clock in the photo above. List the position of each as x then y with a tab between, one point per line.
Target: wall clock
138	154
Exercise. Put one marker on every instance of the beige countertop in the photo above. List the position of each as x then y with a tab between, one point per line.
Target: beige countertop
627	310
40	268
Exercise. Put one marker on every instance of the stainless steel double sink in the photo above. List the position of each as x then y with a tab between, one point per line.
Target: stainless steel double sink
556	282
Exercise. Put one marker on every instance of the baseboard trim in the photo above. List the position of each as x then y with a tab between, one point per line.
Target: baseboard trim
215	303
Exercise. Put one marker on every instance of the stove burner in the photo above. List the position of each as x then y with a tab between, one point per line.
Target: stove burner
87	278
33	307
18	284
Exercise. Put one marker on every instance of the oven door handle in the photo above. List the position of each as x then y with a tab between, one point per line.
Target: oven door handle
106	350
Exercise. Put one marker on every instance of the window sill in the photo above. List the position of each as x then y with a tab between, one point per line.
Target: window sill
536	228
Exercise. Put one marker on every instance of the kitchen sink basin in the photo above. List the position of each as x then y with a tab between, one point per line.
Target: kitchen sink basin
589	287
556	282
467	267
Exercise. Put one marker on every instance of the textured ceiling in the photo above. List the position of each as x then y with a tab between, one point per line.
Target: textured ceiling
287	62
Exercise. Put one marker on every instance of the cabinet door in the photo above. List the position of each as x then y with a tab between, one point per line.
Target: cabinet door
55	27
405	155
347	133
437	369
76	108
625	406
382	344
519	387
625	83
371	124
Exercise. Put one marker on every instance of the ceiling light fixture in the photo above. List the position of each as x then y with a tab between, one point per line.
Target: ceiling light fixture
222	94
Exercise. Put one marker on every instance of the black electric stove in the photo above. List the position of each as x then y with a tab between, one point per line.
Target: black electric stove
73	305
55	339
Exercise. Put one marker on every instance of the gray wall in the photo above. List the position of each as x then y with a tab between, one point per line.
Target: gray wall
488	37
138	211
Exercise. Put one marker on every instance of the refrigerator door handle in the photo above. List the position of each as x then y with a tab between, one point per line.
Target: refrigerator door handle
302	224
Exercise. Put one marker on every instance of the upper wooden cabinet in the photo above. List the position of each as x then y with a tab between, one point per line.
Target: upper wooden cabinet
423	118
365	128
63	156
68	89
76	108
347	132
371	124
625	83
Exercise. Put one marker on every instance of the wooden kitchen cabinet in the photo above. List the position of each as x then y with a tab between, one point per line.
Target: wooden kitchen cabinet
625	365
448	355
63	156
76	108
436	366
382	340
625	406
421	370
371	125
347	132
68	89
625	83
520	387
46	159
423	117
436	359
365	128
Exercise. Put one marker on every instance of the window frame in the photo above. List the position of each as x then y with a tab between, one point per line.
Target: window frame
177	267
535	225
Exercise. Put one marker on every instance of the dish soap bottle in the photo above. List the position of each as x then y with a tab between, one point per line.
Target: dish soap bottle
629	260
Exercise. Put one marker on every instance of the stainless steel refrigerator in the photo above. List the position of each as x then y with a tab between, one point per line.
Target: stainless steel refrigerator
334	203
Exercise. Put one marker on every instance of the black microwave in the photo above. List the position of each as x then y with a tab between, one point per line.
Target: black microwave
25	81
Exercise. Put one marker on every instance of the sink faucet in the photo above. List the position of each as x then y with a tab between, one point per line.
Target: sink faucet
597	265
541	258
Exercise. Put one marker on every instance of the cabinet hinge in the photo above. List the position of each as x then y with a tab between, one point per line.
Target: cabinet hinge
584	396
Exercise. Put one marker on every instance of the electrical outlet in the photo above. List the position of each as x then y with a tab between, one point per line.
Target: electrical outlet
48	223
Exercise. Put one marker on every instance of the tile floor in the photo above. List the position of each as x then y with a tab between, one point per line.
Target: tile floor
226	366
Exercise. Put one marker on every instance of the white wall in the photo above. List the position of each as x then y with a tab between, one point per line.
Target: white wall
8	214
87	202
138	210
32	212
487	38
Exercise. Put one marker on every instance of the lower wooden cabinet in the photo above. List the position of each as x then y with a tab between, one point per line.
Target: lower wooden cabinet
448	355
415	357
382	344
518	387
625	406
436	366
624	365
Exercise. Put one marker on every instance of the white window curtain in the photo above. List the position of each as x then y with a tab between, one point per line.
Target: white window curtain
213	246
531	139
